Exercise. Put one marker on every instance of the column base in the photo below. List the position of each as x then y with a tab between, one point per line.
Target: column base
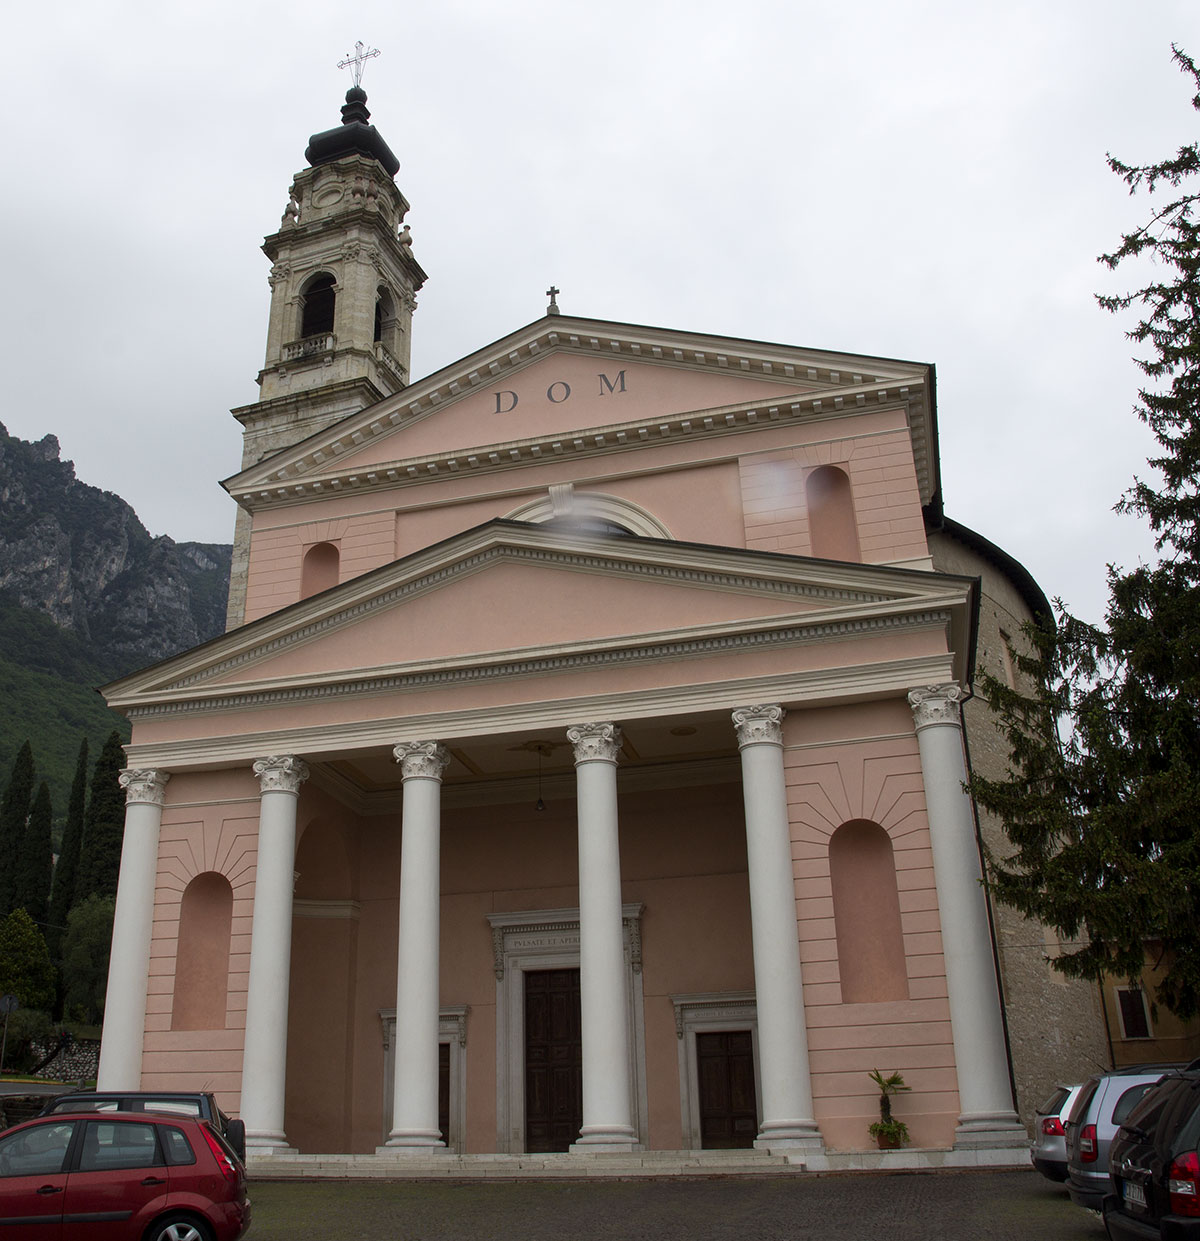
419	1141
790	1135
997	1130
601	1139
268	1144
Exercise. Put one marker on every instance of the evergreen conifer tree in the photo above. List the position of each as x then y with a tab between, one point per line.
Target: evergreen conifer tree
14	814
104	825
35	860
1104	785
25	967
62	894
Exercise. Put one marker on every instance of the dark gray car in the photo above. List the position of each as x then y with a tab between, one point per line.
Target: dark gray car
193	1103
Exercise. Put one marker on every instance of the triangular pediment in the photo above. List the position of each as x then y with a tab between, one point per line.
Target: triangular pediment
515	597
585	386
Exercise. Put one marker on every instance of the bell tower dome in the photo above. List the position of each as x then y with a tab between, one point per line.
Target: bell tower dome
343	290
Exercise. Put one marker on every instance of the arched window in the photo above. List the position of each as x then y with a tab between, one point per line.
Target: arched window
202	957
590	512
320	569
318	295
866	914
832	527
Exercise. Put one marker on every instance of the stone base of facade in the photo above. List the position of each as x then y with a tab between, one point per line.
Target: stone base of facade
990	1130
395	1163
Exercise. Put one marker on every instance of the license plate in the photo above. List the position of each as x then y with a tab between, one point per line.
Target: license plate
1134	1195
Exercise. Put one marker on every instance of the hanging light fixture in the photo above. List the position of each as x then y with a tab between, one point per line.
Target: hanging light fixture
539	804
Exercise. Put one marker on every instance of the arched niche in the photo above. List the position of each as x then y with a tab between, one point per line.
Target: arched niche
832	526
202	956
319	569
866	914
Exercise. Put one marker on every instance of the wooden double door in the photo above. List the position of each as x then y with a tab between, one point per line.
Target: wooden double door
728	1103
553	1060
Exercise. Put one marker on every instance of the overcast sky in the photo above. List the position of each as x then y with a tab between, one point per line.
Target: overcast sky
921	180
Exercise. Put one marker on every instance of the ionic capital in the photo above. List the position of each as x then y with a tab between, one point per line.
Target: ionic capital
143	785
760	725
281	773
595	743
421	760
937	704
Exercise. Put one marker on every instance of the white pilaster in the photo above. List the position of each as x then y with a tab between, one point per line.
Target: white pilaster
984	1091
129	961
264	1060
787	1106
415	1096
607	1117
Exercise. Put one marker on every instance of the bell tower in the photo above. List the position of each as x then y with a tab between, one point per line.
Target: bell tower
343	290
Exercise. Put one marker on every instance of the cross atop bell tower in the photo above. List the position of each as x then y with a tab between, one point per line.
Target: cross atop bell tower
343	290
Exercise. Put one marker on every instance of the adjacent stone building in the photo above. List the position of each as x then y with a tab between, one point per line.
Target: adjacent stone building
583	766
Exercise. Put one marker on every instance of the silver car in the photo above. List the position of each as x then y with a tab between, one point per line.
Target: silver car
1049	1148
1102	1104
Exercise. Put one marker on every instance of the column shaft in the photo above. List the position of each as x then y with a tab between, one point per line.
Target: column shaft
977	1024
264	1058
787	1106
415	1095
129	960
607	1115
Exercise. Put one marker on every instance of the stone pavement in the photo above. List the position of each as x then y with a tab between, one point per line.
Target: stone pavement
903	1206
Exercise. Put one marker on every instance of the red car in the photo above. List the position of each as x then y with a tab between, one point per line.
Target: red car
120	1176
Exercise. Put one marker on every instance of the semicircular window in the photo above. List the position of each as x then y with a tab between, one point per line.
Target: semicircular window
588	525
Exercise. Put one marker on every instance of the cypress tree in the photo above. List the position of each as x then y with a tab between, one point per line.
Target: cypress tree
104	825
36	860
14	814
62	895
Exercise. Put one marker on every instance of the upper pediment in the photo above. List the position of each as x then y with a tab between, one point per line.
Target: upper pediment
509	600
565	385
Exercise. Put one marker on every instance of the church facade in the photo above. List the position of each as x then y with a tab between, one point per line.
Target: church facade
582	769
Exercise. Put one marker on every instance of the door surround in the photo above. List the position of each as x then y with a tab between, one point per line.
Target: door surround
548	939
703	1013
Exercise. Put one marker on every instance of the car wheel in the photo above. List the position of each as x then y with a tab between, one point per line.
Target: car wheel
178	1228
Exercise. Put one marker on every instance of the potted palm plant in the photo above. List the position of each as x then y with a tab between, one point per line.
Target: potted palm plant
889	1132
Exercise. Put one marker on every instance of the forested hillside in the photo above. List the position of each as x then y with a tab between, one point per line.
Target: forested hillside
86	595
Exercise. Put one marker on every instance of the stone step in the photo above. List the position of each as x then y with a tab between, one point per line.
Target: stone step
639	1164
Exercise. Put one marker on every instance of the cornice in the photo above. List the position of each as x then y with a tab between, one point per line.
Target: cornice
312	476
183	698
846	383
831	586
795	689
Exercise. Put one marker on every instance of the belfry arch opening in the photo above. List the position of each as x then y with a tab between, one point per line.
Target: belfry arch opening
318	300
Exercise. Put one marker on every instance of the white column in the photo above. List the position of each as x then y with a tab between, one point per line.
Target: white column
129	961
984	1090
787	1106
264	1060
607	1114
415	1092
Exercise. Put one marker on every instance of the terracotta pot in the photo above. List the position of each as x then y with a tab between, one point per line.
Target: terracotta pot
887	1143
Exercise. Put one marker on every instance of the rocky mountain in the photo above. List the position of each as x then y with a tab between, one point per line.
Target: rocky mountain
86	594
